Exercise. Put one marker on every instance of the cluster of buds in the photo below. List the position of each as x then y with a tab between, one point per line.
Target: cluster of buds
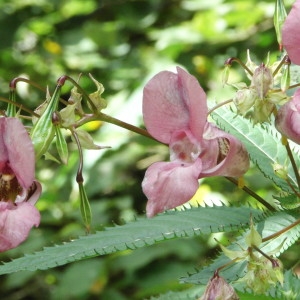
263	270
258	100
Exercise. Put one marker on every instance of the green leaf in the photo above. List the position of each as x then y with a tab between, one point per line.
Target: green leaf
140	233
262	142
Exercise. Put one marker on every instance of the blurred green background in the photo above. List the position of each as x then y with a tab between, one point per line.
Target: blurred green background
122	43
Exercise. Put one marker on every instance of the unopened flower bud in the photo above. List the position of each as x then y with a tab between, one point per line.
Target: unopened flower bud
218	288
262	80
244	99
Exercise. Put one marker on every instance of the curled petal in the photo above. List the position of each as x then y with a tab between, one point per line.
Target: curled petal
174	102
170	184
16	220
233	158
291	33
20	153
287	120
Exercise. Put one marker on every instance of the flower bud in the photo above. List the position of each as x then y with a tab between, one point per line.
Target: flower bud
287	120
218	288
244	99
262	80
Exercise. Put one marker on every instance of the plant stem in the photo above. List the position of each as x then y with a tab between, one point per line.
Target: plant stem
276	234
291	157
253	194
219	105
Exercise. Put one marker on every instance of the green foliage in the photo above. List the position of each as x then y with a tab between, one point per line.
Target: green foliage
122	43
143	232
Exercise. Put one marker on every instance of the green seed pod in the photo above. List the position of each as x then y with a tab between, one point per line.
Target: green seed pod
85	207
61	144
43	131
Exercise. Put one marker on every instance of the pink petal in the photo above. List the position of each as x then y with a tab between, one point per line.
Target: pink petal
20	150
3	149
288	118
15	223
291	33
170	184
174	102
233	157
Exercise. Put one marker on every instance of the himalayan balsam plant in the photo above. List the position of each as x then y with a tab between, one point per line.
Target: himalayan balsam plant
260	124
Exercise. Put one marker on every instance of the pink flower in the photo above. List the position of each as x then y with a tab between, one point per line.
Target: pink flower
291	33
18	189
287	120
175	113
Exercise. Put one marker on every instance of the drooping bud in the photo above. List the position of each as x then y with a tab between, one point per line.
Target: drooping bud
218	288
262	80
279	18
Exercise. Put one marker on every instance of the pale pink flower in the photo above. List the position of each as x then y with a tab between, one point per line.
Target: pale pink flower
175	113
18	189
291	33
287	119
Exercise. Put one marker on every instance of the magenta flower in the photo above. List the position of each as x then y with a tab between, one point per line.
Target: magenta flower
18	189
291	33
287	119
175	113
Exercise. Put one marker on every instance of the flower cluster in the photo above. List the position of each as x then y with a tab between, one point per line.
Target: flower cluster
175	113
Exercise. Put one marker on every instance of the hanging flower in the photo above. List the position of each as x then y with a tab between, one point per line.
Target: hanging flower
291	33
287	120
18	189
175	113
